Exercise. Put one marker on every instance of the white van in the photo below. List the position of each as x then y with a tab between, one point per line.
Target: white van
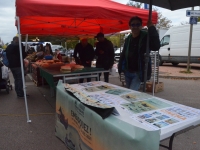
175	43
54	47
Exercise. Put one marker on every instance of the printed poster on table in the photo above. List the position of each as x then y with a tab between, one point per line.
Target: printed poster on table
131	97
167	117
93	100
98	88
80	128
148	110
147	105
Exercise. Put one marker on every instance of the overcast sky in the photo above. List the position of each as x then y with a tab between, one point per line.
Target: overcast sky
7	18
176	16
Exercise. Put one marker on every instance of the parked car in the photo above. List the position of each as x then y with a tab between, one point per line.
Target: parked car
63	51
175	43
58	47
69	53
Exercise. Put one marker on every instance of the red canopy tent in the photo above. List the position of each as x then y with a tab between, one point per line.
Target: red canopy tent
71	18
76	18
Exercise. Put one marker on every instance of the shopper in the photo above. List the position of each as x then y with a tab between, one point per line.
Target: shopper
132	59
83	55
48	51
13	55
57	55
105	54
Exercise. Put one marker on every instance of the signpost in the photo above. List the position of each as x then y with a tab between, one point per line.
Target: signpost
193	14
193	20
146	6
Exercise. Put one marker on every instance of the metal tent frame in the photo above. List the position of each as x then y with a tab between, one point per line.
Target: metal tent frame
22	70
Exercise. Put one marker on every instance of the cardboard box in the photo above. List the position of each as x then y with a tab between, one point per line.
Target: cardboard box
158	87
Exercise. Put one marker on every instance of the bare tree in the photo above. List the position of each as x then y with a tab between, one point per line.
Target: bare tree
184	22
163	22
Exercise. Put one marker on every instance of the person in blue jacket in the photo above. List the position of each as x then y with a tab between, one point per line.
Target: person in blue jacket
132	58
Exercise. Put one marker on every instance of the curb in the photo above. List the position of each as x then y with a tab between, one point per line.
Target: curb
179	77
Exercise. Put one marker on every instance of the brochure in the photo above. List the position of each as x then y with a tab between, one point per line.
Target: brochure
143	106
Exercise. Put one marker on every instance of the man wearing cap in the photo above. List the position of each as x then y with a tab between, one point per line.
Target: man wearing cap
85	56
132	59
105	54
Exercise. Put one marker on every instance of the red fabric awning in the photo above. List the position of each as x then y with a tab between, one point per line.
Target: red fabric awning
76	17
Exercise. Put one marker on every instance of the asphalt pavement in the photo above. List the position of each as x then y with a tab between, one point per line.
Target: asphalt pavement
17	134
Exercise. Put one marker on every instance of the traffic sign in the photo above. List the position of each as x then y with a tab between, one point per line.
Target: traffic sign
193	20
195	13
146	6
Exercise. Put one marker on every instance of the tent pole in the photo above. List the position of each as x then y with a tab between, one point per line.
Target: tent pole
26	45
154	74
22	69
147	49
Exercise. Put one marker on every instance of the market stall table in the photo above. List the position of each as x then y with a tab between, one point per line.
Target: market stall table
50	73
138	121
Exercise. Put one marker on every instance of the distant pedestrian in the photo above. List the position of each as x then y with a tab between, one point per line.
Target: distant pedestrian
105	54
47	50
40	48
57	55
40	52
132	59
13	55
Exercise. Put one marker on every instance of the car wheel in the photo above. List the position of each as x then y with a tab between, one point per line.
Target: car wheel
175	64
160	61
7	90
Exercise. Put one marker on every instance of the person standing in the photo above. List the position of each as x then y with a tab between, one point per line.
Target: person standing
57	55
132	58
40	48
13	56
40	52
47	50
85	56
105	55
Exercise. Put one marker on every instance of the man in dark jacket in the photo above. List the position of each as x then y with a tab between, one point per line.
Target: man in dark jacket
13	56
105	54
132	59
85	56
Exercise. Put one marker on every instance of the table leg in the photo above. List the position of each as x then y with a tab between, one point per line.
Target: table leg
97	76
63	79
52	91
42	81
170	143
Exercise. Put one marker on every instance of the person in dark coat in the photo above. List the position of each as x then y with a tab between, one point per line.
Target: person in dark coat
132	59
105	54
83	55
13	56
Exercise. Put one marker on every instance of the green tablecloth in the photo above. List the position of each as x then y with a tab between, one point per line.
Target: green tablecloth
81	128
49	73
48	77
